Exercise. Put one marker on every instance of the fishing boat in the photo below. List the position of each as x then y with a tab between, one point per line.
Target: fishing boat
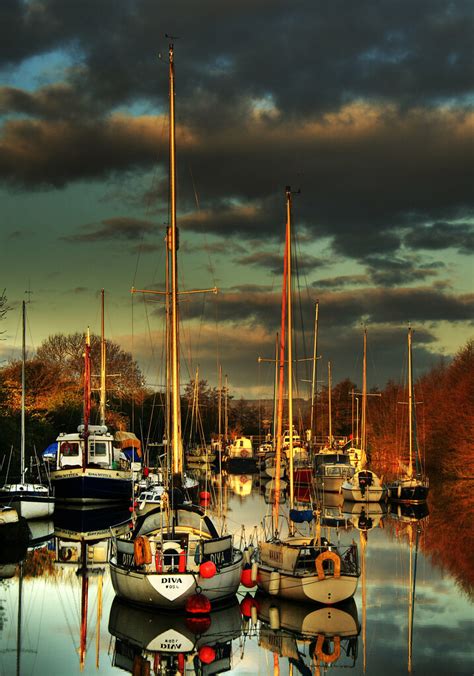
300	566
364	485
30	500
93	465
413	485
175	551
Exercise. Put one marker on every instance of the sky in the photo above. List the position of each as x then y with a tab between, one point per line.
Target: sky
364	108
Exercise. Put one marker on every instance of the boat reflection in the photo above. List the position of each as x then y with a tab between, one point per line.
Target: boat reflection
81	552
408	513
364	515
150	641
240	484
307	634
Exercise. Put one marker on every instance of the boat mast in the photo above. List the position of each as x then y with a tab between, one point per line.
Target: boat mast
87	399
275	394
290	345
281	385
219	408
364	404
226	413
102	361
314	375
410	406
329	402
23	362
176	441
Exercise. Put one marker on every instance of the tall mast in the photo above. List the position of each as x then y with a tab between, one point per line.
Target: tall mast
329	402
314	376
102	361
226	414
87	399
275	393
176	441
364	403
219	408
290	345
23	362
410	406
281	385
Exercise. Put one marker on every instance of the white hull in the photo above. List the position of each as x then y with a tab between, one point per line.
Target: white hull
354	494
171	590
309	587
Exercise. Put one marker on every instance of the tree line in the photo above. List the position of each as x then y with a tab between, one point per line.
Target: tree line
54	404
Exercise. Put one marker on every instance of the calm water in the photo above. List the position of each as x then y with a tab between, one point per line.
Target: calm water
369	635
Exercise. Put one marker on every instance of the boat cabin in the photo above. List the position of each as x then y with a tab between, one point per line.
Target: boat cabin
101	451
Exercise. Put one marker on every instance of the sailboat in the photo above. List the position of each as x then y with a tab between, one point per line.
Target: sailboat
412	486
332	465
175	551
30	500
91	466
300	567
364	485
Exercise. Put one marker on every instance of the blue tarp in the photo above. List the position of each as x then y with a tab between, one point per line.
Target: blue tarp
301	515
131	454
50	452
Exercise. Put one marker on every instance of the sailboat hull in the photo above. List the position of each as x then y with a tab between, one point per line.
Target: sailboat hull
308	587
92	485
409	491
171	590
29	503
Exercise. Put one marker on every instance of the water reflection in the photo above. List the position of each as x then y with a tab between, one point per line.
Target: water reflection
151	641
308	635
413	608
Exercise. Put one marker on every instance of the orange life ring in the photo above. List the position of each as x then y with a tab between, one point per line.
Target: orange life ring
325	556
325	657
141	550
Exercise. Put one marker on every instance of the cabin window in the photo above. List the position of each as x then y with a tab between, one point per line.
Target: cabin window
98	448
69	448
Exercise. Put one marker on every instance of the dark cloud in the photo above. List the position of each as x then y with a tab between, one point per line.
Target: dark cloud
113	229
386	271
274	262
442	235
39	154
341	281
393	306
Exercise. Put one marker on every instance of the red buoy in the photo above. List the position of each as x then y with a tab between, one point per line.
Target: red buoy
246	577
207	569
207	654
248	602
198	625
198	604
